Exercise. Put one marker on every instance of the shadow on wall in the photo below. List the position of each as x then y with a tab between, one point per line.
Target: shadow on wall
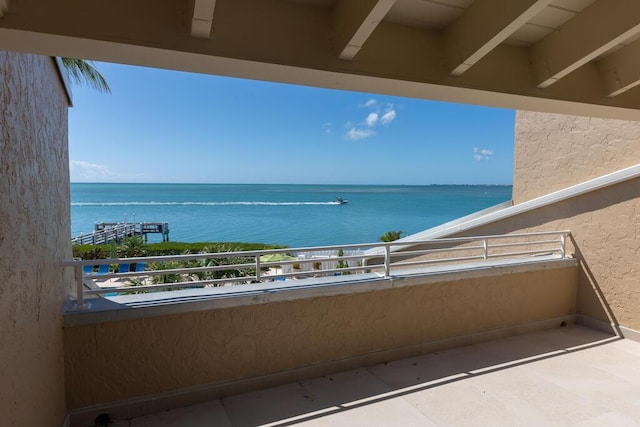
596	220
589	202
591	300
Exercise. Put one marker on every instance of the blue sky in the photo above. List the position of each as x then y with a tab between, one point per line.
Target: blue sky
168	126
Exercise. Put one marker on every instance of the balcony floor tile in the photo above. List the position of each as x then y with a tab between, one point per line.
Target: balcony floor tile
566	376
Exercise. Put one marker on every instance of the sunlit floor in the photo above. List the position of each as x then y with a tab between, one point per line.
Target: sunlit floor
566	376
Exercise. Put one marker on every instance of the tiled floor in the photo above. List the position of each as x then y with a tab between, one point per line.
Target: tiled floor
561	377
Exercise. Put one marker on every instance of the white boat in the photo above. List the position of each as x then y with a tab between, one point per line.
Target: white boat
341	201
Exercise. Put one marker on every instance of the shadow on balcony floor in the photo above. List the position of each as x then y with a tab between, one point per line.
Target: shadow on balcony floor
566	376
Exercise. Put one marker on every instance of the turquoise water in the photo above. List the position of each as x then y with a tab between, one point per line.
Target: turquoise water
293	215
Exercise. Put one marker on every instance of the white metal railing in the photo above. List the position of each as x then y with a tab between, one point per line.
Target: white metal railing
227	268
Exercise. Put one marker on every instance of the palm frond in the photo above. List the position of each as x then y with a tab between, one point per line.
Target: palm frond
81	71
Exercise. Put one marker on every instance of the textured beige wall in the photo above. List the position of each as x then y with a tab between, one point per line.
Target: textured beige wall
34	239
113	361
554	151
606	227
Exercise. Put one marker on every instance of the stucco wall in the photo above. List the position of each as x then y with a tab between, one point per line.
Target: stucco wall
605	225
34	239
554	151
119	360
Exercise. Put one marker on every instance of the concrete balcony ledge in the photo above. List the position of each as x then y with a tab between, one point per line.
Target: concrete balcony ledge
180	347
123	307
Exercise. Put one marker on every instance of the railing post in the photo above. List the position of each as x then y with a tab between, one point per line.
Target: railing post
485	249
563	245
387	260
79	276
258	274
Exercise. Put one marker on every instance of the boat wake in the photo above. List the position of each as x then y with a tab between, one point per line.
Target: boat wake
203	203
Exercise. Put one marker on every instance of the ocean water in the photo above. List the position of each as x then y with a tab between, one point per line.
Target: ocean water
293	215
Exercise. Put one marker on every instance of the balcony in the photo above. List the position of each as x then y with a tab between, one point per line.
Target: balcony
133	355
570	375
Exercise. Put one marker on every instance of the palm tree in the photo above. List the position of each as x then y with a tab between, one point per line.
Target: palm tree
81	71
133	247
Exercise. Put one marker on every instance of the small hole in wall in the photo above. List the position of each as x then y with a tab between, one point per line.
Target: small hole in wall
102	420
563	324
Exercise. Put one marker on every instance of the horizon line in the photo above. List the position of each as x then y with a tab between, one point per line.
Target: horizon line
276	183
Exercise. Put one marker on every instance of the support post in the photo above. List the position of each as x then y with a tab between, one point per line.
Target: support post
387	260
79	276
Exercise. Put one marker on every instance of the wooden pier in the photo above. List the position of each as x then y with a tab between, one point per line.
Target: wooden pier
106	232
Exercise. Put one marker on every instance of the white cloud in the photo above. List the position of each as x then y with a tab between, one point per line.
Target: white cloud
381	114
372	119
328	127
481	154
355	134
370	103
388	117
80	170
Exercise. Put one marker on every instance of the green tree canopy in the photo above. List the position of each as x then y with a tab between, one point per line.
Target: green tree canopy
390	236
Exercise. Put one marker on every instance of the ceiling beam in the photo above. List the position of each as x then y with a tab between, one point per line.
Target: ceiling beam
598	28
483	26
620	71
354	21
202	18
4	6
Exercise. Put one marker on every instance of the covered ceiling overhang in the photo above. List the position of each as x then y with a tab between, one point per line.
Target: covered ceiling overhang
202	18
566	56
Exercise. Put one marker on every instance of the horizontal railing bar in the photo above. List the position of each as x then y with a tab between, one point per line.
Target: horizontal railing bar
533	243
312	260
490	236
163	258
338	258
121	289
433	261
187	270
404	243
326	273
433	251
508	254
